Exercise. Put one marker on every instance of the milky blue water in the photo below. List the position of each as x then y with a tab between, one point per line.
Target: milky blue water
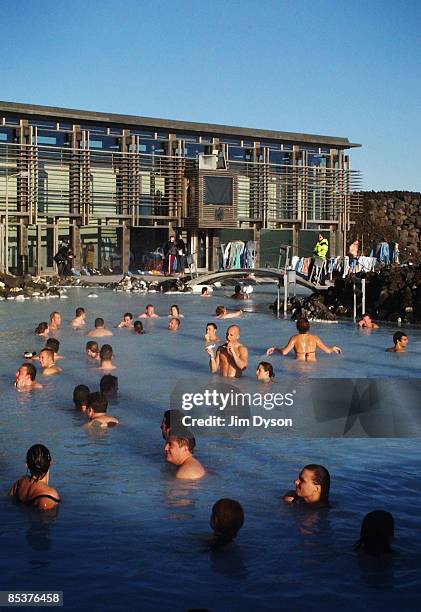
128	534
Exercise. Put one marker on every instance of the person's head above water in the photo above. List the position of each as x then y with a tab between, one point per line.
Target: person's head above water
174	324
172	419
265	372
108	385
80	312
81	396
179	446
220	310
55	318
227	518
26	373
92	348
303	325
313	484
233	333
175	310
205	291
237	289
400	339
42	329
97	403
138	327
53	344
150	310
46	357
99	322
106	352
38	461
127	318
377	531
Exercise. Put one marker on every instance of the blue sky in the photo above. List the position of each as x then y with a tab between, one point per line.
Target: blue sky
318	66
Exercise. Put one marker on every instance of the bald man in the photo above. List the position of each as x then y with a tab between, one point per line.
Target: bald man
231	358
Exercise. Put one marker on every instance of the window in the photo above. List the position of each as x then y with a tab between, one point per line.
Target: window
218	190
47	140
231	141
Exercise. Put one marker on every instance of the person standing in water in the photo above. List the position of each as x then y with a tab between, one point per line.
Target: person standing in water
304	344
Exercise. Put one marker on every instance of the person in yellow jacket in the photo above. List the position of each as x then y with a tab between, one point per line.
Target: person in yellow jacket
322	246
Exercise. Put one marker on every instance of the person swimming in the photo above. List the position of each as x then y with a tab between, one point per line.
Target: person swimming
127	320
55	321
311	487
210	333
100	329
92	349
172	419
46	359
226	520
264	372
149	313
222	313
81	395
174	324
79	320
106	357
25	377
97	411
239	294
138	328
366	322
376	535
175	312
42	329
400	341
179	451
33	489
304	344
108	385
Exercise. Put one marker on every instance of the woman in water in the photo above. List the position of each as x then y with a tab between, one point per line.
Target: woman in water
175	312
33	489
42	329
264	372
304	344
377	530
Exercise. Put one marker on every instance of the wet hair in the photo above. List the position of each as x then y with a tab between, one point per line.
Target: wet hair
178	321
108	384
237	289
53	314
30	370
149	306
98	402
38	460
220	310
80	311
53	344
377	530
227	518
41	328
397	337
184	437
320	477
49	351
366	314
106	352
128	314
81	395
92	346
303	325
176	307
138	327
213	325
268	367
173	418
204	290
99	322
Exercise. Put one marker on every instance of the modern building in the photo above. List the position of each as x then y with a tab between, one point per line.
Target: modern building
121	184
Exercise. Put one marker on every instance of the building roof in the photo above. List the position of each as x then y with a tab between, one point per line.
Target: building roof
128	121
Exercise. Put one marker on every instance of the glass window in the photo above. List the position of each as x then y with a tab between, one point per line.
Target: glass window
287	146
193	150
217	190
8	134
279	157
47	140
42	124
143	133
106	142
230	141
187	137
236	153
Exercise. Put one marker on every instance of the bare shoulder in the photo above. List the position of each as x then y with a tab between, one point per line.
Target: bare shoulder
191	470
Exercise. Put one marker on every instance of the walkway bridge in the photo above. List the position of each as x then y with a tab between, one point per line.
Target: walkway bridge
276	274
